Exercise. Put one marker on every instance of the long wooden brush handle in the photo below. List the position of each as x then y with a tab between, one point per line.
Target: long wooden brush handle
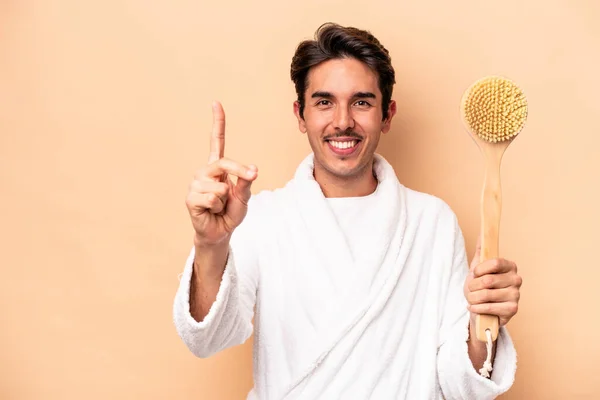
491	206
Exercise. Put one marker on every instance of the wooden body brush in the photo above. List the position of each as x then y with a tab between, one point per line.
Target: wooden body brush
494	111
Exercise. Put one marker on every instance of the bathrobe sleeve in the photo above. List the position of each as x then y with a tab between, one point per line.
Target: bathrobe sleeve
458	379
229	320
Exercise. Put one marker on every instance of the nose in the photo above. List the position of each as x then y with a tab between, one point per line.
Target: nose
343	119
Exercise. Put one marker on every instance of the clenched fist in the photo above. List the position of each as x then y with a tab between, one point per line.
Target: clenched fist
493	287
216	204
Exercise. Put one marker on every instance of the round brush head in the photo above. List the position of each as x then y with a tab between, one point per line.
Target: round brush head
495	109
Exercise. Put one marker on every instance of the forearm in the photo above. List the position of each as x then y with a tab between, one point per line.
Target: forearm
209	264
477	349
218	313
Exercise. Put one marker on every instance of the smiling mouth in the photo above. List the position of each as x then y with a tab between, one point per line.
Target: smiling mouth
343	144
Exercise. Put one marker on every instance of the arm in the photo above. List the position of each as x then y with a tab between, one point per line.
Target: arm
460	353
213	309
214	303
207	272
478	349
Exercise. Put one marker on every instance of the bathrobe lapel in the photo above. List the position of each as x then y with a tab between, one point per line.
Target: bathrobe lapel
368	271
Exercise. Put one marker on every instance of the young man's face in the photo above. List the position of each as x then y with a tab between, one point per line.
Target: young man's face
343	116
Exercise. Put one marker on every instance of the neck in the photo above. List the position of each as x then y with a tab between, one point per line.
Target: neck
362	184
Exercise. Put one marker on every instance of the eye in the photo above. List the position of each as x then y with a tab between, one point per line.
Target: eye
363	103
323	102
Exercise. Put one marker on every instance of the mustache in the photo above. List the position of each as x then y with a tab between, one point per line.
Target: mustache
348	133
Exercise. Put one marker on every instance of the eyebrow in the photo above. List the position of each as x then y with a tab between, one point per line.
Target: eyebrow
358	95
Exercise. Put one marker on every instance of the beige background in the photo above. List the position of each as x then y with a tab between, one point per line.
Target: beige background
105	115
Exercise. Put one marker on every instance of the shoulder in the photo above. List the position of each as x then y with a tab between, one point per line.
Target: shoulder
427	204
265	204
435	219
263	215
433	214
266	199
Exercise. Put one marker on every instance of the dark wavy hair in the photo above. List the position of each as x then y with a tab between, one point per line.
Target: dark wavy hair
333	41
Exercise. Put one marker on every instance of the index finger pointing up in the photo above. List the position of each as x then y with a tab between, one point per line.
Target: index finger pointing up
217	138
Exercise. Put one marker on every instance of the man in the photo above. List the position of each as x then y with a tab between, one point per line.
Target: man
361	285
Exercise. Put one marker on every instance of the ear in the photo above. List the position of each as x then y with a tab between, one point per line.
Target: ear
301	122
387	123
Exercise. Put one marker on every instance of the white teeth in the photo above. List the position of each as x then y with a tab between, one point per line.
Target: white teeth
343	145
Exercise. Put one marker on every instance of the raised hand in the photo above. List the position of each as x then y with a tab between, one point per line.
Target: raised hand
216	204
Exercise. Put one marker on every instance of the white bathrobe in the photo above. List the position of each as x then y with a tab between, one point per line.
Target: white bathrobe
388	321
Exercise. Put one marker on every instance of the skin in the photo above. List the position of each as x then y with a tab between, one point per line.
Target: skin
492	287
342	102
216	206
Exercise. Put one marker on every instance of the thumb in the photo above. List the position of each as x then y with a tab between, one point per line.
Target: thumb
242	187
237	206
477	254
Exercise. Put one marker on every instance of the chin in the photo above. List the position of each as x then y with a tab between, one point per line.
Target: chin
345	168
340	165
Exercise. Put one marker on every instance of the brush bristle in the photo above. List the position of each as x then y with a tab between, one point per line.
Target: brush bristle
495	109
